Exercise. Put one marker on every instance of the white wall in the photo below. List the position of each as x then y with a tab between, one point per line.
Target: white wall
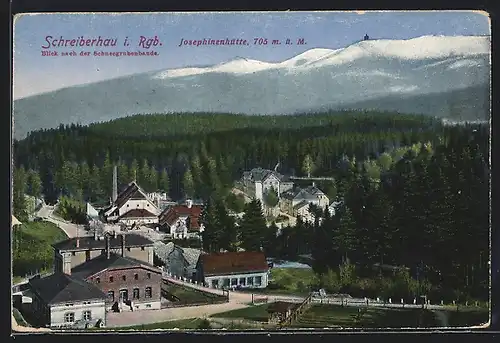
139	221
97	308
263	275
141	204
271	181
154	305
258	191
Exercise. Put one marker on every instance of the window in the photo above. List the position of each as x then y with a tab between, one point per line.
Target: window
128	205
111	295
234	282
110	279
136	293
124	277
215	283
142	248
147	205
148	305
249	281
136	276
128	249
149	275
73	253
225	282
87	315
258	280
69	317
148	292
98	280
242	281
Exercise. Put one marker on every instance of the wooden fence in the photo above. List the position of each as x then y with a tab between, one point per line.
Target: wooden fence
296	312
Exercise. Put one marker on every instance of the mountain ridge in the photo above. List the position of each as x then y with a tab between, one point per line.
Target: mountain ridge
319	77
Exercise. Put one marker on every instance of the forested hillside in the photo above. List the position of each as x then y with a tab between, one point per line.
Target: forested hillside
414	192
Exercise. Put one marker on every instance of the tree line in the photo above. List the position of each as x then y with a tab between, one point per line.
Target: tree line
411	192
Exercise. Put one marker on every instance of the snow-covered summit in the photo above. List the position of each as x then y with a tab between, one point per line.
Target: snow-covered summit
421	48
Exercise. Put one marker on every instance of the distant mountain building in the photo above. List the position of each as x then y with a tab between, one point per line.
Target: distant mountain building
295	200
366	37
258	182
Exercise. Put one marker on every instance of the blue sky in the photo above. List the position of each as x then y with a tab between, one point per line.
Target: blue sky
35	74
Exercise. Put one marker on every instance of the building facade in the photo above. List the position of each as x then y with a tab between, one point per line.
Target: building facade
181	221
62	301
291	199
233	270
72	252
132	207
257	182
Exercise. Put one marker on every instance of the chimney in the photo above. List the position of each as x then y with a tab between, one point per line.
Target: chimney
115	184
122	236
189	203
108	248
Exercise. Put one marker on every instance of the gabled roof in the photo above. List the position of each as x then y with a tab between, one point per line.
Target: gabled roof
233	263
259	174
115	261
138	213
191	255
131	240
132	191
171	215
301	204
290	194
61	288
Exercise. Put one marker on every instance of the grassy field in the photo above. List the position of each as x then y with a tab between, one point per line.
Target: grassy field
468	317
184	295
31	245
297	281
185	324
323	316
257	313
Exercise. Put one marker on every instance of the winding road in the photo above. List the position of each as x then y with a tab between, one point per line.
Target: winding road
46	212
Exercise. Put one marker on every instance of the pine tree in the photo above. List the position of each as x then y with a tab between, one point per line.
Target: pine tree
164	181
34	184
188	184
19	190
252	227
211	232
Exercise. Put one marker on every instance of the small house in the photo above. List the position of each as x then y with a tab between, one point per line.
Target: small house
60	300
181	221
244	269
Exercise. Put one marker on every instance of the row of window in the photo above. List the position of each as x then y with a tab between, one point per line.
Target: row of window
248	281
124	278
148	292
73	253
69	317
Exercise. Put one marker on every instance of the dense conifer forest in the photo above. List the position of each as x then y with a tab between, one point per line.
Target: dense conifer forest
413	192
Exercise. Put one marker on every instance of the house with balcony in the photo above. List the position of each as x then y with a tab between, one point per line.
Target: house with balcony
295	200
181	221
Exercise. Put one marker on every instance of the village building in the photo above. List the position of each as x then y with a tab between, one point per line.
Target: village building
257	182
60	300
334	206
132	207
182	261
278	311
129	284
75	251
181	221
293	201
244	269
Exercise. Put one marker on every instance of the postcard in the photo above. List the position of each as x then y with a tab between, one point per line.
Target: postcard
251	171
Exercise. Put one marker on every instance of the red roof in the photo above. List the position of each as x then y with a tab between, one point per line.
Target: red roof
137	213
171	215
233	263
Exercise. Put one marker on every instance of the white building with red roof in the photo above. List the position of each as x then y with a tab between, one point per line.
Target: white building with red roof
181	221
132	207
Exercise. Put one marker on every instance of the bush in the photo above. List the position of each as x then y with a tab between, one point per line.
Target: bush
204	325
